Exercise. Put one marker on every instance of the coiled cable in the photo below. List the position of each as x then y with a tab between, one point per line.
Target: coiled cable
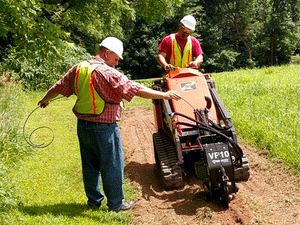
29	139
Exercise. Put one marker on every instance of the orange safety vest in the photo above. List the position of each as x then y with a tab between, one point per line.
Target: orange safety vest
88	100
178	60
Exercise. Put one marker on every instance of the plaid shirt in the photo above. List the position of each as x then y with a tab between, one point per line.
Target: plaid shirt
111	85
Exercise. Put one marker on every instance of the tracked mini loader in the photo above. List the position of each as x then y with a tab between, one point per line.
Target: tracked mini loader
196	135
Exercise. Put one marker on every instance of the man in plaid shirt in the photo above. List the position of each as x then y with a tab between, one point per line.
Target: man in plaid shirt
99	93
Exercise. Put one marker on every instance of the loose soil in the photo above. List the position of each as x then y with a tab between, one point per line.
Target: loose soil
270	196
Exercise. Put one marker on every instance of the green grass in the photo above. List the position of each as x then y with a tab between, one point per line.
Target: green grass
265	107
12	146
138	102
47	184
44	186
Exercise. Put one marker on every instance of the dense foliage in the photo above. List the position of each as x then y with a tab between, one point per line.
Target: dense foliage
40	39
233	34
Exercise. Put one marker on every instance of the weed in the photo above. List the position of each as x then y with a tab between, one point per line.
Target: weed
12	146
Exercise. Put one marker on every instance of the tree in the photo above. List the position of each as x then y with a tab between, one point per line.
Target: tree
234	18
141	48
280	30
254	32
41	31
143	38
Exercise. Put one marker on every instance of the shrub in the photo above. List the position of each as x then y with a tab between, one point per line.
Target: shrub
295	59
40	72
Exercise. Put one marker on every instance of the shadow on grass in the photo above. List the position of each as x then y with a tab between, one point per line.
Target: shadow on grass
70	210
73	210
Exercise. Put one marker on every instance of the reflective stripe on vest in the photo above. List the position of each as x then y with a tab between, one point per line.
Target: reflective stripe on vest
88	100
176	59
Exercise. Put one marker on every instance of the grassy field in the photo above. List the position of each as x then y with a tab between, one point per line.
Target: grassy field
265	107
44	186
46	183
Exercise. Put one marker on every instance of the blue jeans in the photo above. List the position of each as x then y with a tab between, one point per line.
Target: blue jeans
101	155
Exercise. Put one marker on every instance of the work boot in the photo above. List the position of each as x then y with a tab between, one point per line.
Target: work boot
125	206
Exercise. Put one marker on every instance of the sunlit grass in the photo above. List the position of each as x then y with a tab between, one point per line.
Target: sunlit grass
46	187
48	184
138	102
265	107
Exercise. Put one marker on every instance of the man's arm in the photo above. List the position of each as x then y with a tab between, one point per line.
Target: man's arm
52	93
161	58
197	62
145	92
64	86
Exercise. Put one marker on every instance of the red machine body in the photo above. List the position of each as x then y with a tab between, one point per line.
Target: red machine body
196	135
192	86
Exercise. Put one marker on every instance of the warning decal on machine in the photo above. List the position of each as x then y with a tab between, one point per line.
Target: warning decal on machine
189	86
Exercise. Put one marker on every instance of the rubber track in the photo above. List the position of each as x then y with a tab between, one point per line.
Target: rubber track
172	174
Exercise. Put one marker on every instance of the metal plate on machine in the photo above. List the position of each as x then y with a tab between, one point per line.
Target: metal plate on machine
217	154
188	86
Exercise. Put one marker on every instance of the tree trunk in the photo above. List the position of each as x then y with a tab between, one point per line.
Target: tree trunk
248	49
272	56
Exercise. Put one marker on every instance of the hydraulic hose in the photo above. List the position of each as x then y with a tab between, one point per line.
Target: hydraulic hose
211	122
203	126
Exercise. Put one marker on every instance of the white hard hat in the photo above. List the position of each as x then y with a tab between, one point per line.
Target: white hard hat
189	22
114	45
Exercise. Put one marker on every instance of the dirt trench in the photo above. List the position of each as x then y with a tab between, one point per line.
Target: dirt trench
270	196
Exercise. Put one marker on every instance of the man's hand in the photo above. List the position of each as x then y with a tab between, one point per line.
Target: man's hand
193	65
172	95
169	67
51	94
43	103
